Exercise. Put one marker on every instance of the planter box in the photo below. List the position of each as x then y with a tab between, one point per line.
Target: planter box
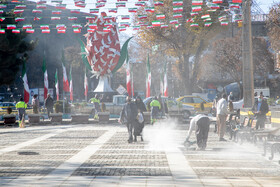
103	117
9	119
79	118
56	118
34	118
147	117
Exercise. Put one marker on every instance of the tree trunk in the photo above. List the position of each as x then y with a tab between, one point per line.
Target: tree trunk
196	64
186	78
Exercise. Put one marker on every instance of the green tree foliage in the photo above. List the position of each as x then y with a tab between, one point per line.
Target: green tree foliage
273	24
228	57
73	58
13	48
181	42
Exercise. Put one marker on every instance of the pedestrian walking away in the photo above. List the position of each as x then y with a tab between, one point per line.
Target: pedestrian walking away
222	107
49	104
261	109
139	125
155	109
96	102
35	104
128	117
21	107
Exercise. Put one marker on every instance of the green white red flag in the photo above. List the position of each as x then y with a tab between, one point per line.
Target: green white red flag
128	79
56	86
65	80
25	84
148	79
46	81
165	82
71	84
86	84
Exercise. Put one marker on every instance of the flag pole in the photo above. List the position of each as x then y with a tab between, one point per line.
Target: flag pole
87	85
63	94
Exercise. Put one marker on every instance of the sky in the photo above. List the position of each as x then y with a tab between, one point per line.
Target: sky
266	4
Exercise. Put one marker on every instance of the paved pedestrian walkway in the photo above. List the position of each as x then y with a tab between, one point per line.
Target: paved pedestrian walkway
99	155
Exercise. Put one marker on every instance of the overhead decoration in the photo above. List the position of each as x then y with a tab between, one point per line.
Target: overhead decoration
103	47
200	14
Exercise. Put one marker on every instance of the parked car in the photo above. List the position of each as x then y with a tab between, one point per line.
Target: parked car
175	106
240	104
195	101
5	105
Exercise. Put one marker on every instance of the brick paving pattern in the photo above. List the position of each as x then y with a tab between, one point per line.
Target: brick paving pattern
118	158
229	159
45	155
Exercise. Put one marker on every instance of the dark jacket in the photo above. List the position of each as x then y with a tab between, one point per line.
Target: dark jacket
263	109
49	102
141	106
129	113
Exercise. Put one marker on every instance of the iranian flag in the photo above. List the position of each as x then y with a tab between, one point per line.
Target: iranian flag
161	86
165	82
132	81
156	23
160	16
194	24
158	3
56	86
46	82
177	15
30	31
71	84
86	85
177	2
223	23
132	10
237	1
207	24
177	8
65	80
25	84
174	21
128	79
197	2
196	8
218	1
234	5
148	79
94	11
205	16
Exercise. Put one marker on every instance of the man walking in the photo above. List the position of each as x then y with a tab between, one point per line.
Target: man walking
49	104
261	107
221	116
96	102
128	116
155	109
21	106
35	104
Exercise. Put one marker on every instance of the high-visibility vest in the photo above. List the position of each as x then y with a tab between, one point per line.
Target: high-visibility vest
21	104
94	100
155	103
